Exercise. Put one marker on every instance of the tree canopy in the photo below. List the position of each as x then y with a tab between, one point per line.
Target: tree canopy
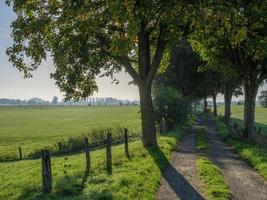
231	37
90	38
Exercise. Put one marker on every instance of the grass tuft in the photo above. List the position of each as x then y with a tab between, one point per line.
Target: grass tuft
215	187
202	143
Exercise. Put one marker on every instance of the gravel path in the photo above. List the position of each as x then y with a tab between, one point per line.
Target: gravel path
179	181
244	182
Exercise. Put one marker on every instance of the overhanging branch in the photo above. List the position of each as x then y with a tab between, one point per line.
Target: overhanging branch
161	45
125	61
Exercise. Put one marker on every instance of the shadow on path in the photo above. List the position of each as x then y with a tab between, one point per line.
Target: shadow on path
182	188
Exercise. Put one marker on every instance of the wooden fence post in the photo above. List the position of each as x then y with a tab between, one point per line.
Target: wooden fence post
20	153
87	156
46	172
126	142
108	153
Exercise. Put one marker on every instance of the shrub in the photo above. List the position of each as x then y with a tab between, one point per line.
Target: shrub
170	106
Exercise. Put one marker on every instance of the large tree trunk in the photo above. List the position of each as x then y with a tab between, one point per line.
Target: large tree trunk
228	93
214	96
250	88
147	116
205	105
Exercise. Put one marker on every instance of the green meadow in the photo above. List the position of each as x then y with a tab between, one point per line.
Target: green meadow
35	127
133	177
238	112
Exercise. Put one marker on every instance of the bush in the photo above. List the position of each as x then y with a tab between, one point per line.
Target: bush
170	106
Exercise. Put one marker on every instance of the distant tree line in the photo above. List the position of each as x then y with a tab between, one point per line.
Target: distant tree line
90	102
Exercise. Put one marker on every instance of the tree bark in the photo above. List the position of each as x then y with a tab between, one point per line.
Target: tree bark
214	96
205	105
147	116
228	93
147	69
250	89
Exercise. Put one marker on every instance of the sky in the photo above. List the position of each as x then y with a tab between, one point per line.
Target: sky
13	85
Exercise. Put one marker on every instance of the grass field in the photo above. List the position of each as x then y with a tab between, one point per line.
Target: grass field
34	127
237	115
136	177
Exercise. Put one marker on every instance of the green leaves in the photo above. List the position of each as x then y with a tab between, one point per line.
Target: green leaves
88	37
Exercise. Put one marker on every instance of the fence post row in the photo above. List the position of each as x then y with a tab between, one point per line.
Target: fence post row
126	142
87	156
108	153
20	153
46	172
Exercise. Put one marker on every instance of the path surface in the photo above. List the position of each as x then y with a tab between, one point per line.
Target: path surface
245	183
179	181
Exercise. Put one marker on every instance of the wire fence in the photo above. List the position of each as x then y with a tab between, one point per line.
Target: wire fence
71	145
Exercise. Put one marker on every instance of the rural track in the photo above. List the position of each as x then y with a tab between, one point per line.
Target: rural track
179	181
244	182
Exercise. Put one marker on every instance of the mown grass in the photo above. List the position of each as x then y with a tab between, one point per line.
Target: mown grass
136	177
36	127
214	186
202	143
255	155
238	114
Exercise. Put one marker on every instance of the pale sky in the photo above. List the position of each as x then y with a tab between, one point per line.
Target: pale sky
12	84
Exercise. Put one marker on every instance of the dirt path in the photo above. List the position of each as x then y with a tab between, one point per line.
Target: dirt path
244	182
179	181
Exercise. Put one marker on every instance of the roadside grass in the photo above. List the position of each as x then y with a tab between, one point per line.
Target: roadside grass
214	186
202	143
255	155
136	177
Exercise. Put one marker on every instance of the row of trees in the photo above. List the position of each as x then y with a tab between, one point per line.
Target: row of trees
86	38
32	101
90	102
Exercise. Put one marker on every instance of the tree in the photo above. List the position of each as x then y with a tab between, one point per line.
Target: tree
231	87
263	98
184	76
87	37
233	36
55	100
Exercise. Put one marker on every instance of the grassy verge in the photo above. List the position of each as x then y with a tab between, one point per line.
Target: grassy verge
214	186
256	155
202	143
136	177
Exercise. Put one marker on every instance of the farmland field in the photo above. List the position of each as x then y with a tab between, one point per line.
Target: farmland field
237	115
34	127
